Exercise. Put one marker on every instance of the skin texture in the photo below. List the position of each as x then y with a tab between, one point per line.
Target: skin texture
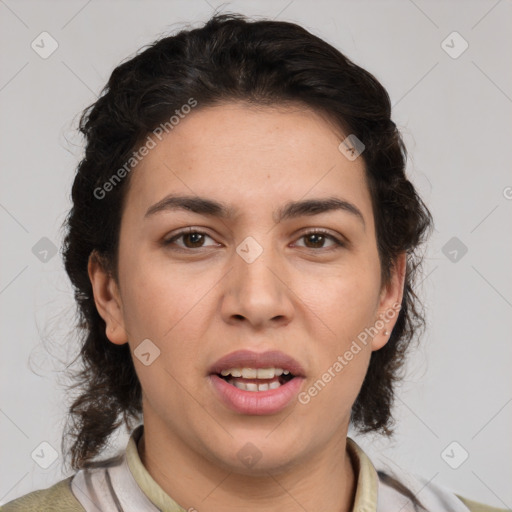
306	298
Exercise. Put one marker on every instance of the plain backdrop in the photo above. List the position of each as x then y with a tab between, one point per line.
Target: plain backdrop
453	105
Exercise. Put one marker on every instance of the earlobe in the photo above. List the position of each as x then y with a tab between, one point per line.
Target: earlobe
107	299
390	302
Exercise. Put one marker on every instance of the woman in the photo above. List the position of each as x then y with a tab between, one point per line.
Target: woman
243	244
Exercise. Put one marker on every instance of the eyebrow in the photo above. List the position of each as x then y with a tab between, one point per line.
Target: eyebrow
292	209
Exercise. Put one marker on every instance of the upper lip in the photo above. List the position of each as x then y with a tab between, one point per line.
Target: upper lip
249	359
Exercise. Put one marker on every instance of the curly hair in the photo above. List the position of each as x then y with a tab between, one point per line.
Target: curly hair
230	58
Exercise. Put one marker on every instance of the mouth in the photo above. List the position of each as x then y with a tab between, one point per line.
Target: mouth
256	383
256	379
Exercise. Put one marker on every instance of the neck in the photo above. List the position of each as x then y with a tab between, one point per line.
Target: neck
326	481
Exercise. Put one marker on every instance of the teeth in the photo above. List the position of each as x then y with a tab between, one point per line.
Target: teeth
254	373
249	373
234	372
251	386
266	373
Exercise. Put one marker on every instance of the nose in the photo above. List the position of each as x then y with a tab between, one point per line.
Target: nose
256	291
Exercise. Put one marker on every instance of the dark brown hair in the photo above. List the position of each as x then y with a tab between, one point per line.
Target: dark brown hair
259	62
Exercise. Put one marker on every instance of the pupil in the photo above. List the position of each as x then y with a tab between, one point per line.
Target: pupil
192	235
319	238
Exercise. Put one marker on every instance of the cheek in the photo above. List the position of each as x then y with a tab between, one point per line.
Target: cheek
159	299
167	309
171	308
346	303
328	398
344	306
345	310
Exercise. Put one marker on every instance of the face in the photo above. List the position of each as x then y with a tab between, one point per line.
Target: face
201	286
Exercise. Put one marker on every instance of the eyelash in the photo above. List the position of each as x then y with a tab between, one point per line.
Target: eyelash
191	231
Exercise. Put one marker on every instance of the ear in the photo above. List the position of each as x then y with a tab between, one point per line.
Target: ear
107	299
390	301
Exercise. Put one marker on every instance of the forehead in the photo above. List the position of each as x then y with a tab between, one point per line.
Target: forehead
239	129
251	155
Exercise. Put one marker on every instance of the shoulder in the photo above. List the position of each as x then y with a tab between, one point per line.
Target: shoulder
54	498
474	506
419	492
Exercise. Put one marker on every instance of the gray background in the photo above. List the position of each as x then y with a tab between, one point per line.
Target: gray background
455	117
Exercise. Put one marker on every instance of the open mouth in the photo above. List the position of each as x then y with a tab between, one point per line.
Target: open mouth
256	379
256	383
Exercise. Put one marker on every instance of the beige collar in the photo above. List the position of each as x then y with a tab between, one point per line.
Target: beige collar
366	477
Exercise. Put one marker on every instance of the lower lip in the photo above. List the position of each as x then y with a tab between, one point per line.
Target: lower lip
256	402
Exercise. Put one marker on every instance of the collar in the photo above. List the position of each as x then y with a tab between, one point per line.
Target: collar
366	477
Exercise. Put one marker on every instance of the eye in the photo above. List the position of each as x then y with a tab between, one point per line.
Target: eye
192	238
317	238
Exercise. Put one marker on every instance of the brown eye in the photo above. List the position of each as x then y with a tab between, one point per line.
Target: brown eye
191	239
196	239
317	239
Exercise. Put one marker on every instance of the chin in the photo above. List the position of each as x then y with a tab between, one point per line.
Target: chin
258	457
